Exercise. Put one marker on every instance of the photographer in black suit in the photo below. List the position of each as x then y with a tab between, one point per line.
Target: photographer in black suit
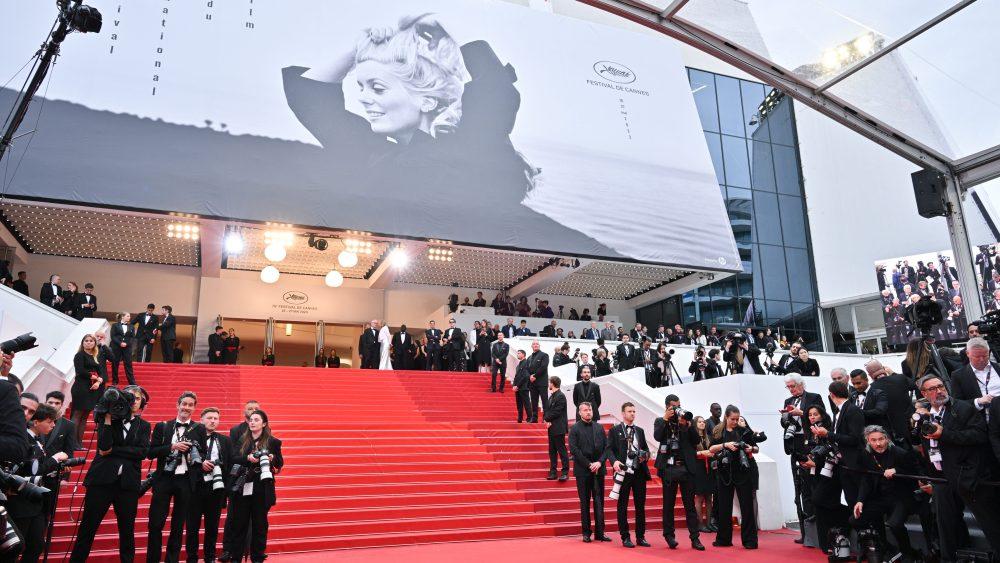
557	425
979	381
874	403
538	377
735	478
898	390
675	464
113	479
122	335
628	453
208	499
62	438
742	355
30	515
953	436
588	444
794	421
168	334
175	447
587	391
51	292
146	325
498	362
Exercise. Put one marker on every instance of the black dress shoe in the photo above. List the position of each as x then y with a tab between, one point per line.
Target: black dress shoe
642	542
713	528
799	540
551	476
586	539
751	546
671	542
564	477
626	542
717	544
602	537
225	557
697	545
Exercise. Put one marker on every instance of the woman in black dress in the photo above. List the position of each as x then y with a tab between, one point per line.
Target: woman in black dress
602	363
420	357
268	358
71	301
231	344
483	349
808	366
88	383
734	479
704	480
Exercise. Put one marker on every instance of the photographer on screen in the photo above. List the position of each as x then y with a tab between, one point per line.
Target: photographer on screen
731	464
676	463
115	474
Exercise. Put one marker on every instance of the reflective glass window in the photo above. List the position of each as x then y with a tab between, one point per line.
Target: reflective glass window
734	154
703	89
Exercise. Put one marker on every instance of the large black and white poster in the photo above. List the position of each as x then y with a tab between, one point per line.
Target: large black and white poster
476	121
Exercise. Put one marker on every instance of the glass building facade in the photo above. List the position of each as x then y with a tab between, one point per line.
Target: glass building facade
756	162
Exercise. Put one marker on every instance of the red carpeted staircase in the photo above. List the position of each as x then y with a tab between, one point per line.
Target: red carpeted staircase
375	458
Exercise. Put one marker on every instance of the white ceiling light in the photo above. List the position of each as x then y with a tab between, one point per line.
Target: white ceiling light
275	252
288	329
269	274
399	258
347	259
234	243
334	279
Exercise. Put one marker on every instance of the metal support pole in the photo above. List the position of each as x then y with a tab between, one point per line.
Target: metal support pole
269	333
320	336
964	258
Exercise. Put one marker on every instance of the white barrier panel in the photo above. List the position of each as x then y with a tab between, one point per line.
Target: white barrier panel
466	322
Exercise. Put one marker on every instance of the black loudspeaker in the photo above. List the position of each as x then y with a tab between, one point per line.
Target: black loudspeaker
928	187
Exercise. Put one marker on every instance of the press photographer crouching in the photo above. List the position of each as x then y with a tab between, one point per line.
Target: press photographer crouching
954	443
676	461
735	476
252	492
114	476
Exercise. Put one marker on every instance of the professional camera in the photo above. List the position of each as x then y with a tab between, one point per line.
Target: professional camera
989	325
174	457
11	540
239	475
72	462
18	344
264	459
791	425
215	478
726	460
770	348
680	413
824	450
147	484
924	314
840	545
641	456
25	487
869	545
114	402
617	486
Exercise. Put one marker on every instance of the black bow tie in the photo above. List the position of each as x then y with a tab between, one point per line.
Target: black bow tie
183	424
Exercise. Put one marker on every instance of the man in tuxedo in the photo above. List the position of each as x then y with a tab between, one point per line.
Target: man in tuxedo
583	362
523	330
538	377
29	515
167	333
454	346
175	477
498	362
678	336
113	480
521	387
207	501
787	362
848	434
146	325
509	330
88	301
368	346
586	391
556	423
21	283
979	381
647	360
433	336
591	333
403	349
625	355
637	333
628	453
874	403
587	445
675	464
217	346
62	438
236	432
51	292
549	331
480	300
122	334
608	333
794	416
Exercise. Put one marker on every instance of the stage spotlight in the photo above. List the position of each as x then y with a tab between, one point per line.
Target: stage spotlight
319	244
334	279
347	259
234	243
399	258
275	252
269	274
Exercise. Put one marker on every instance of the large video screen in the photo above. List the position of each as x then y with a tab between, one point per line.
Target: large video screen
474	121
902	281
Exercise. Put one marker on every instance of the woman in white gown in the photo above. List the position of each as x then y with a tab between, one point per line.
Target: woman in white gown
384	340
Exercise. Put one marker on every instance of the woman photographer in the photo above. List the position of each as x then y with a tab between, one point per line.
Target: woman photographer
698	365
249	506
602	363
704	479
733	477
88	383
917	362
824	487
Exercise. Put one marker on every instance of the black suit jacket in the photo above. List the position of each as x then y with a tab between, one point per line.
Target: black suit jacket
13	446
17	505
587	444
964	385
587	393
403	350
21	287
48	294
618	448
962	445
687	437
499	351
556	414
897	389
127	452
547	331
216	343
144	327
522	377
807	400
752	354
121	335
236	434
538	366
875	407
848	433
625	360
81	300
226	457
62	438
509	331
159	447
168	328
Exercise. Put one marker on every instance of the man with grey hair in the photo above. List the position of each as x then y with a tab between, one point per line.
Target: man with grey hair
794	420
979	381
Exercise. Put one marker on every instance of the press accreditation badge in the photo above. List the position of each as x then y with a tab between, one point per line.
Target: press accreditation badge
248	489
935	457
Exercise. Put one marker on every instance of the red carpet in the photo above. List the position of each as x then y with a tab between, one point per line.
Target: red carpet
376	459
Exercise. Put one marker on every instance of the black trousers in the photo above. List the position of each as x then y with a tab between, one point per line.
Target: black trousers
634	486
892	513
539	394
949	507
557	446
205	505
167	349
178	488
591	489
500	368
98	500
434	358
748	521
523	408
803	496
986	508
144	353
33	534
248	514
678	478
121	356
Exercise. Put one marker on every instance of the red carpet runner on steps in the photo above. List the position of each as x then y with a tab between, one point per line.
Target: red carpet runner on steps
375	458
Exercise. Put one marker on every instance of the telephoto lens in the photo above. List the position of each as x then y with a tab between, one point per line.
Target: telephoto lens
264	458
617	487
215	478
18	344
11	537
